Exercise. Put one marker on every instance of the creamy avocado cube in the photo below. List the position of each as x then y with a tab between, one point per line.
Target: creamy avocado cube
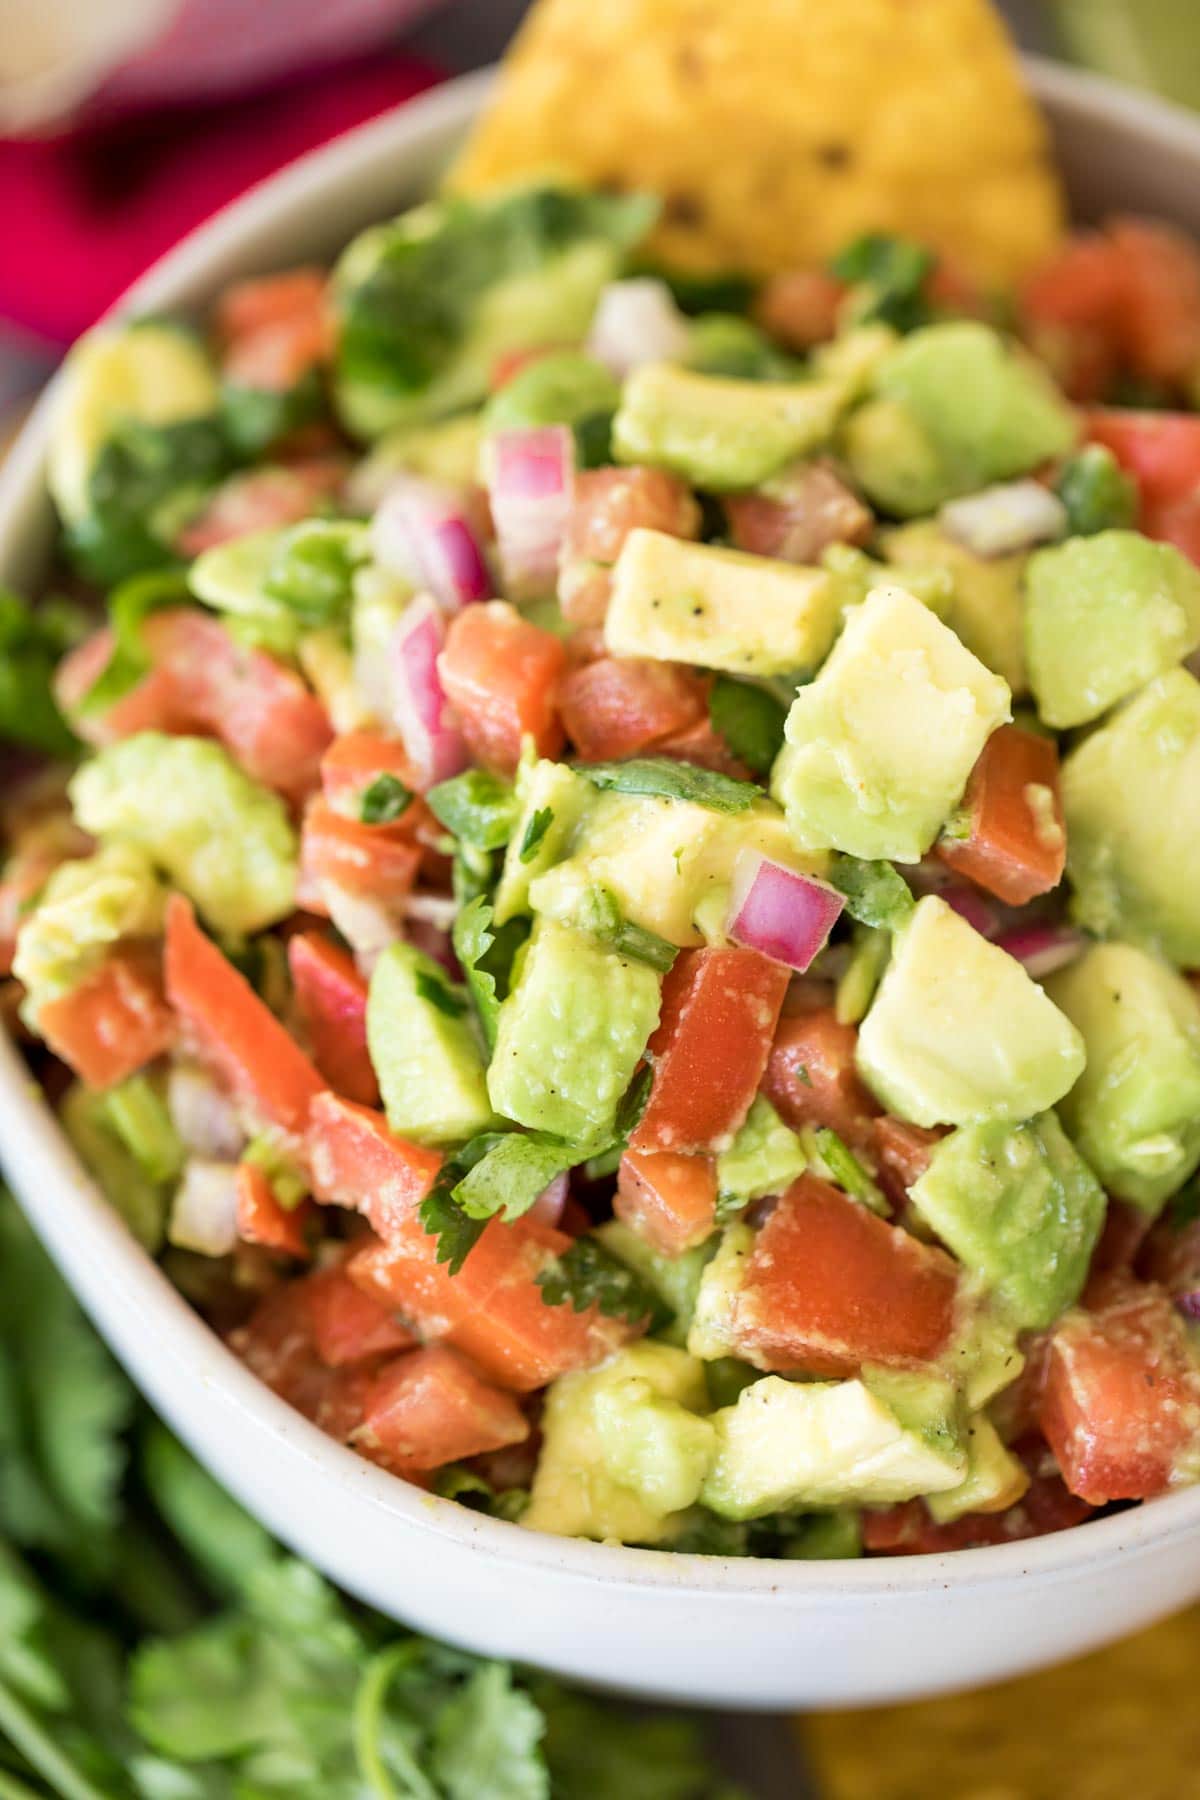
721	609
765	1157
1135	1110
893	459
987	607
85	907
958	1032
983	1359
224	839
1104	615
596	1475
710	1335
542	787
675	1279
717	432
151	373
424	1052
994	1480
570	1034
1130	797
880	745
789	1444
1018	1206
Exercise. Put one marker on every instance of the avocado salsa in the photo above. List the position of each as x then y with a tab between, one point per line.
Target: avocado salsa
614	888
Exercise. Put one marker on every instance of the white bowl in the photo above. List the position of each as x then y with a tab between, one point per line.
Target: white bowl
697	1629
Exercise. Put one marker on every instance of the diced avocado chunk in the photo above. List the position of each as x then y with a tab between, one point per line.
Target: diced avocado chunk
994	1480
604	1472
139	1199
1104	615
986	610
880	745
765	1157
1135	1110
676	1279
570	1034
537	841
722	609
563	388
1019	1207
892	459
786	1445
958	1032
1128	791
665	862
85	907
221	837
424	1052
717	432
254	577
710	1336
984	1359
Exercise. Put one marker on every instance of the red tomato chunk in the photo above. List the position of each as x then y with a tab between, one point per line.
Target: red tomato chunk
607	505
1014	847
669	1200
347	1325
331	1000
431	1407
501	675
115	1021
811	1078
261	1219
612	709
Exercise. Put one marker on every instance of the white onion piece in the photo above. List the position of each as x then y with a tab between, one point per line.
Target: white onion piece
204	1211
782	914
547	1209
434	744
367	925
438	910
1042	949
637	322
421	531
1001	520
530	478
204	1117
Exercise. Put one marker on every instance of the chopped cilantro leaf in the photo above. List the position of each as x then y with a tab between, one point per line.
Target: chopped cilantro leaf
846	1170
480	809
749	719
486	953
588	1275
439	993
385	800
535	831
875	893
602	918
665	779
512	1174
889	274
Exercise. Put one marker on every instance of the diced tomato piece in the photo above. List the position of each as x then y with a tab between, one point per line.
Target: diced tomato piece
808	510
262	500
331	999
1121	1406
615	707
431	1407
356	1161
1170	1255
348	1326
800	307
356	759
374	862
811	1077
1016	844
669	1200
1072	306
501	674
1160	306
248	305
277	1344
1175	522
902	1152
262	1220
908	1529
153	705
276	328
703	745
830	1286
1160	449
115	1020
232	1030
607	505
719	1010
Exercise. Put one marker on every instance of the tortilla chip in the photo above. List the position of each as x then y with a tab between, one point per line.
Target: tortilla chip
778	130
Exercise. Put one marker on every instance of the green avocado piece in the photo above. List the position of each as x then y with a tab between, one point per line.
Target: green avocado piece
995	1479
624	1448
765	1157
1104	615
987	606
676	1279
1018	1206
564	388
717	432
1135	1110
893	459
424	1052
570	1034
224	839
551	798
1128	792
880	745
87	905
958	1033
710	1332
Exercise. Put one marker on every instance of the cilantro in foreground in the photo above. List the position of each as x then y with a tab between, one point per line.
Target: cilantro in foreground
478	808
602	918
588	1275
384	801
665	779
486	952
889	274
875	894
535	831
512	1173
749	719
845	1169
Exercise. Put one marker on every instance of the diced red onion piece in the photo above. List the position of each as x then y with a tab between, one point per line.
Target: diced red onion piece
1001	520
434	744
1042	948
972	907
1188	1303
204	1211
637	322
547	1209
782	914
530	479
421	531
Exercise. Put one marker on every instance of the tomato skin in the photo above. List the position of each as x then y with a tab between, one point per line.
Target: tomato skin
358	1162
374	862
1176	522
232	1030
1121	1403
431	1407
114	1021
1004	851
501	675
607	505
613	708
669	1200
357	758
709	1050
262	1220
276	1343
153	705
902	1152
800	307
815	509
260	500
1072	307
908	1529
830	1286
331	999
1161	450
347	1325
829	1091
703	745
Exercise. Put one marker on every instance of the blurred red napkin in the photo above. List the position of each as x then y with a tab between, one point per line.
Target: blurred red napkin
85	214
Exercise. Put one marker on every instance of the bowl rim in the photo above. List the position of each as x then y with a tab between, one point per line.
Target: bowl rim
108	1269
